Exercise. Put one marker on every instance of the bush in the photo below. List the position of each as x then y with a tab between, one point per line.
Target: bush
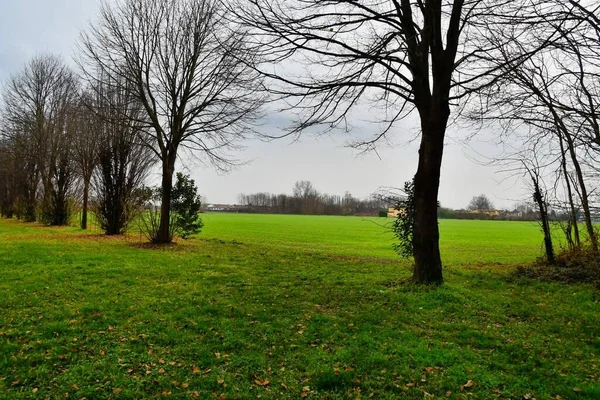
383	214
404	224
578	265
185	207
185	210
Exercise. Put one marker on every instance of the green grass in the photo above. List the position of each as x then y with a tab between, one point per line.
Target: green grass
313	305
462	241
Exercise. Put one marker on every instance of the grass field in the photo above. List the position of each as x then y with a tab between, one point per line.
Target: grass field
462	242
288	307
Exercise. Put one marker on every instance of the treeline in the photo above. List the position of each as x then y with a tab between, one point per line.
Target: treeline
66	147
305	199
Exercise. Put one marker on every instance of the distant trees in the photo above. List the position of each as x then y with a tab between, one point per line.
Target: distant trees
481	202
305	199
190	70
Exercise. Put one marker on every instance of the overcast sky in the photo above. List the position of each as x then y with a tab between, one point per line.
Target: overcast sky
30	27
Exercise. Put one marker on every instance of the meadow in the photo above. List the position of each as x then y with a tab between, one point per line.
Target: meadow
270	306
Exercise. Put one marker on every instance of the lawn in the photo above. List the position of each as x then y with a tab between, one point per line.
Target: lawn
288	307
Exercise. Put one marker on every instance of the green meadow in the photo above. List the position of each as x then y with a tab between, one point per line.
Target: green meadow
462	242
288	307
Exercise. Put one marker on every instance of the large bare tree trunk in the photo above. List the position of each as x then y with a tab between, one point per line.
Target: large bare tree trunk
426	249
164	230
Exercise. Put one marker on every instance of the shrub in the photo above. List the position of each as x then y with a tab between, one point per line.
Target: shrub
185	210
577	265
185	207
404	224
382	214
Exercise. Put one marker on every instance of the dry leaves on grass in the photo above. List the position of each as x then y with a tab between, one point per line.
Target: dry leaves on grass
467	385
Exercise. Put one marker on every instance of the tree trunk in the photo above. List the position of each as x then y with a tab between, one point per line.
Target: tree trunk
543	210
573	214
426	249
84	211
584	194
164	230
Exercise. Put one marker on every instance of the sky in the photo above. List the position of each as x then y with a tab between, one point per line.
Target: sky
32	27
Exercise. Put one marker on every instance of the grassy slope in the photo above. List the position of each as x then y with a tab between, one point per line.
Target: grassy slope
97	317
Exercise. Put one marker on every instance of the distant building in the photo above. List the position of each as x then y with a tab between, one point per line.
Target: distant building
490	213
393	212
223	207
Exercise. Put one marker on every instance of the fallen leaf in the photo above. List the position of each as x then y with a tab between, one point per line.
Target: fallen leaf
469	384
185	385
117	390
261	383
161	361
577	390
34	390
220	381
429	370
195	370
161	371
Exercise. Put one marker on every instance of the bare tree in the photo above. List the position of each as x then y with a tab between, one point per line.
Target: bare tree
481	202
304	189
191	71
402	56
556	95
37	110
8	179
86	143
123	162
533	164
